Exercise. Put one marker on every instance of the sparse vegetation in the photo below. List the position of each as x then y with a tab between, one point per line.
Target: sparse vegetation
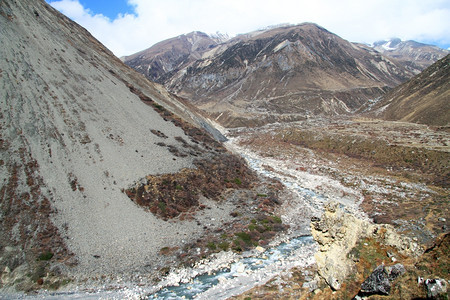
46	256
245	237
211	246
224	246
276	219
169	195
432	163
403	175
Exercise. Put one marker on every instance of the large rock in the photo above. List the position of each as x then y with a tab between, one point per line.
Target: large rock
338	232
379	282
436	288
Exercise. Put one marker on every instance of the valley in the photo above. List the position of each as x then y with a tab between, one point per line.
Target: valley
282	163
408	198
367	175
383	161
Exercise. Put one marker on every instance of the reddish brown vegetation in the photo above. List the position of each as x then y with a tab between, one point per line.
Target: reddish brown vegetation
169	195
26	219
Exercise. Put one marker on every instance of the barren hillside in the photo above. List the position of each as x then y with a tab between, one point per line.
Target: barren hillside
79	132
424	99
281	74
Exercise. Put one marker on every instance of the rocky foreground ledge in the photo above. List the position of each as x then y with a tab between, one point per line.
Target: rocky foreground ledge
361	260
340	234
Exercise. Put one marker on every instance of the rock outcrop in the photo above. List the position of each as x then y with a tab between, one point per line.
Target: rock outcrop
338	232
436	288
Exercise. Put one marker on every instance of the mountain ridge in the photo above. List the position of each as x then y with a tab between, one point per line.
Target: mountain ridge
416	56
422	99
283	73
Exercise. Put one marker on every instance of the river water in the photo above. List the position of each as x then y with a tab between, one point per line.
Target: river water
227	274
245	272
242	272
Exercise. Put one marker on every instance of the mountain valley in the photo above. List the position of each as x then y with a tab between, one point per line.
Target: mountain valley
85	140
116	186
285	73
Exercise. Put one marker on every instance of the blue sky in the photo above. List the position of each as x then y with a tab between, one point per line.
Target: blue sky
128	26
108	8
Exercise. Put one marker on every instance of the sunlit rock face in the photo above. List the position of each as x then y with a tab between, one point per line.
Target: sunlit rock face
337	233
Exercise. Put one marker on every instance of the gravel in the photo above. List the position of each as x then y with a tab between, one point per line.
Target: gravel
65	100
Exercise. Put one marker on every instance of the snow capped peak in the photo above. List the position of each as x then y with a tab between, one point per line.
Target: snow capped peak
388	45
220	37
394	42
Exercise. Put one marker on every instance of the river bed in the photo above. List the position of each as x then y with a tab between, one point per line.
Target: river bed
227	274
294	249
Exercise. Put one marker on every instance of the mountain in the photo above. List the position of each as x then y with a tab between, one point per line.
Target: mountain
161	60
423	99
283	73
416	56
95	160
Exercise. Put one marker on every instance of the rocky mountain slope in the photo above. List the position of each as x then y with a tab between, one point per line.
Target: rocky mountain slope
283	73
162	60
83	141
416	56
424	99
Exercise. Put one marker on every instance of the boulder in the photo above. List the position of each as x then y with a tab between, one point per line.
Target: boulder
379	282
436	288
338	231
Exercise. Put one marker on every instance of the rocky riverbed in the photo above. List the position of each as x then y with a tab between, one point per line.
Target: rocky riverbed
290	265
392	174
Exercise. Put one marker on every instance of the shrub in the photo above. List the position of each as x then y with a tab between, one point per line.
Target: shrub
211	246
224	246
46	256
244	236
276	219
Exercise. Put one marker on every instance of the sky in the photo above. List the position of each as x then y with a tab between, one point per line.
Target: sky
129	26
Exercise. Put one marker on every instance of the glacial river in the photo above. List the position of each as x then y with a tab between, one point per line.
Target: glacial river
228	274
244	273
257	267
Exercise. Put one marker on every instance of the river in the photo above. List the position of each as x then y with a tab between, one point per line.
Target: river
227	274
222	277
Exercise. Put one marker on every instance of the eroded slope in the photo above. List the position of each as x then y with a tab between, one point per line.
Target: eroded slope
78	128
424	99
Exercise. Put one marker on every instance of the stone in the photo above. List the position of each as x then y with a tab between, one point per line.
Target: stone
395	271
240	268
436	288
338	231
379	282
260	249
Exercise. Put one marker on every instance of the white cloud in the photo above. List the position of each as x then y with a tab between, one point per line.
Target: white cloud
355	20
